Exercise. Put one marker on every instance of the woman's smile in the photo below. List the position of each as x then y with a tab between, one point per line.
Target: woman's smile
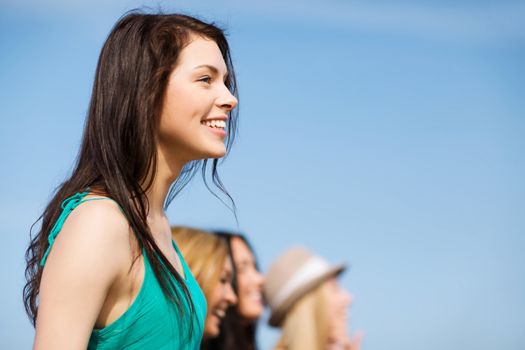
217	125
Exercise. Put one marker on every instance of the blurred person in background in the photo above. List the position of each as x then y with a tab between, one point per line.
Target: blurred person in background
308	304
239	327
102	271
208	259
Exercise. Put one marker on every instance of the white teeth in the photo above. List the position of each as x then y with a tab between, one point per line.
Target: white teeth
254	295
220	313
221	124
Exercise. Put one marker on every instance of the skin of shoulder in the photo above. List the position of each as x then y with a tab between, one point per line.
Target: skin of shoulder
89	254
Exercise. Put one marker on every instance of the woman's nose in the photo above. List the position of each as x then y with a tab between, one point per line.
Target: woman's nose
230	296
349	298
259	278
227	100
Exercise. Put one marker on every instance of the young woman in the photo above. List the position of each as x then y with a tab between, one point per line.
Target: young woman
308	304
238	329
103	271
208	259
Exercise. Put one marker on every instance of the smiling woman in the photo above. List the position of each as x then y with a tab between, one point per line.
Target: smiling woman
239	327
208	259
103	271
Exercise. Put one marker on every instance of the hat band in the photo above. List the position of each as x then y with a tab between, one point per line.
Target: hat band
311	269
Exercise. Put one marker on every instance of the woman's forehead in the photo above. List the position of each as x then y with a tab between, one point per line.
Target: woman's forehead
201	52
241	251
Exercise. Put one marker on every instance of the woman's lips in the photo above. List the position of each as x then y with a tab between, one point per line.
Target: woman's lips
254	296
218	127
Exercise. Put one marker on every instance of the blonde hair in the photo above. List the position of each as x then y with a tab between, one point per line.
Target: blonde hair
305	326
204	253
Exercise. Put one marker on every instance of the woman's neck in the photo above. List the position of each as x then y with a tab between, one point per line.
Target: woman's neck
166	173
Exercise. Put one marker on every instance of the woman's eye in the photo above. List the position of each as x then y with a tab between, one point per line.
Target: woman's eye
205	79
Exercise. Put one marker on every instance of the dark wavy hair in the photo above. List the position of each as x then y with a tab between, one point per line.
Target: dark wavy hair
235	331
117	156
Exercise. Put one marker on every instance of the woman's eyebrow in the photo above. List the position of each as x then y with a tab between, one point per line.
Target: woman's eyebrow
214	69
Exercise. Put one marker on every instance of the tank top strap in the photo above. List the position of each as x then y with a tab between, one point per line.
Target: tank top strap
176	247
68	205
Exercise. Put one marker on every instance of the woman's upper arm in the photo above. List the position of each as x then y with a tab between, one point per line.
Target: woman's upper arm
86	258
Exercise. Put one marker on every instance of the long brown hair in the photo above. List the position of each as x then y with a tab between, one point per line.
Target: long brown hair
117	157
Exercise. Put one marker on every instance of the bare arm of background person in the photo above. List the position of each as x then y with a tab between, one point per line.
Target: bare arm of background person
347	343
354	343
341	339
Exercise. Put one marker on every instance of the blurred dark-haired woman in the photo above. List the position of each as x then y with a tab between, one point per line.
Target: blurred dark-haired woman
239	327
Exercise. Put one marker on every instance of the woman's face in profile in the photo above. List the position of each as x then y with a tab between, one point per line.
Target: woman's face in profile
196	104
338	302
221	298
249	281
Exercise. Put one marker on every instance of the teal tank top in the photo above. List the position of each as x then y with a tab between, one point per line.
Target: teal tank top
152	321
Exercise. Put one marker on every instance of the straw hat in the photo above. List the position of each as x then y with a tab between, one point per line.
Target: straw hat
292	275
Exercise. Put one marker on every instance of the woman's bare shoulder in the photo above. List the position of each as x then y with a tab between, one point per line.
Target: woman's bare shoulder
95	230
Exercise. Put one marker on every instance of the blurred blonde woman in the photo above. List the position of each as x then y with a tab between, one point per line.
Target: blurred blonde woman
308	304
208	259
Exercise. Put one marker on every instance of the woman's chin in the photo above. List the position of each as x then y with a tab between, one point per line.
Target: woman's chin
218	152
208	153
211	329
252	314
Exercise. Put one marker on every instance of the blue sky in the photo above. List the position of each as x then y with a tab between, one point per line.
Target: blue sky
388	134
